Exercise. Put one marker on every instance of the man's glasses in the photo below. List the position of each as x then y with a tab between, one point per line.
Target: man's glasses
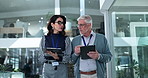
81	25
60	22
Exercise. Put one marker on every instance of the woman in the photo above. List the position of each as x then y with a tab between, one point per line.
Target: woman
55	62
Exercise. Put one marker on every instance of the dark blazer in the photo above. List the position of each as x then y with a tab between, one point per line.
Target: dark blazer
62	69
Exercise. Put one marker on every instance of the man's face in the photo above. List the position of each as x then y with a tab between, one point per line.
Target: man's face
84	27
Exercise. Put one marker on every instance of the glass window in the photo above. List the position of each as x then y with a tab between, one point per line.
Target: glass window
72	11
91	7
130	26
131	32
26	18
122	25
141	31
15	60
22	19
124	62
137	18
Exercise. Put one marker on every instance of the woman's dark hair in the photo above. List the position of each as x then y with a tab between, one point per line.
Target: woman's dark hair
52	20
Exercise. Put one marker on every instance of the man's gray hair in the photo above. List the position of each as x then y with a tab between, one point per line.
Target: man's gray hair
87	18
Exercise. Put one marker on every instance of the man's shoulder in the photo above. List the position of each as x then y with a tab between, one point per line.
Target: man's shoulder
100	35
76	37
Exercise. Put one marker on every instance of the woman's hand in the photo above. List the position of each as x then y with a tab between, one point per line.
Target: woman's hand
54	55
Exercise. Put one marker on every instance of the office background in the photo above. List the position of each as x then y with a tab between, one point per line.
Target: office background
124	23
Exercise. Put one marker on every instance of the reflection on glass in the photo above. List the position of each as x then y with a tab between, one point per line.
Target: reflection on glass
16	59
141	31
124	62
132	56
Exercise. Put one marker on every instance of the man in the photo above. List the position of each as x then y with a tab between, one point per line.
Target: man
95	67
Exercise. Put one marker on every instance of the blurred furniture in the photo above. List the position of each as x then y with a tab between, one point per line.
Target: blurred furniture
11	32
12	75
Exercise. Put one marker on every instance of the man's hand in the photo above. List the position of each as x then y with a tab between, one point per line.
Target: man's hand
93	54
77	49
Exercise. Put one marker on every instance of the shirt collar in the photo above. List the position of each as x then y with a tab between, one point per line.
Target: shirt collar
90	33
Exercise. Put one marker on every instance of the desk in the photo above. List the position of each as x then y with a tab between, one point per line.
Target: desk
12	30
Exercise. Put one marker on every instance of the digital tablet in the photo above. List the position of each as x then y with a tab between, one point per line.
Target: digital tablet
55	50
85	49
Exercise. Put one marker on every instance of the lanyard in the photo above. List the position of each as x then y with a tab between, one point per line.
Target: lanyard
53	41
88	41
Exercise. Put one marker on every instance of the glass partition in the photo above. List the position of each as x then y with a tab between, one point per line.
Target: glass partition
16	59
27	20
131	43
72	11
21	22
129	25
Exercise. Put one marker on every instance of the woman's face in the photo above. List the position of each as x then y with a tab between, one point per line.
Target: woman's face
58	25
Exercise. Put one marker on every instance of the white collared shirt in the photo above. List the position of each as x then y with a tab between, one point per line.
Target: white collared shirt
88	64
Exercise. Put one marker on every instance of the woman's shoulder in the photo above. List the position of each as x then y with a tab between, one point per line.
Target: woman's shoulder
66	37
45	36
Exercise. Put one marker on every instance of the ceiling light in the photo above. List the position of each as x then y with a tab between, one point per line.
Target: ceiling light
41	17
117	17
39	21
140	19
89	2
29	24
18	19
